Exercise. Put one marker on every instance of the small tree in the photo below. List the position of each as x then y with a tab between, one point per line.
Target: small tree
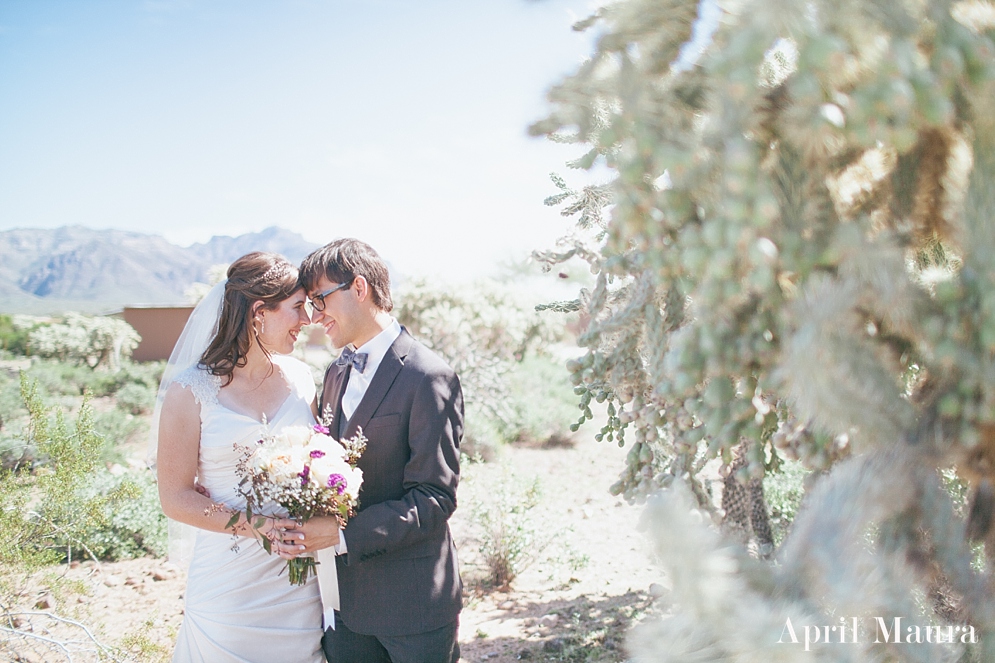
795	254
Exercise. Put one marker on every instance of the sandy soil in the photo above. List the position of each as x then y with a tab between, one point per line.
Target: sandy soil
576	600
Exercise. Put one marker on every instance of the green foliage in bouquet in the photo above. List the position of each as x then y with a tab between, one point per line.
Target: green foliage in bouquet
795	253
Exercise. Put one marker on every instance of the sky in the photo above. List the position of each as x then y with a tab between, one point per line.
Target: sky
401	123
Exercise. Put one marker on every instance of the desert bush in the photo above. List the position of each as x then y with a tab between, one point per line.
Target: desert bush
132	523
44	514
537	409
14	333
484	331
146	373
116	427
90	340
467	323
136	398
132	386
11	405
542	401
507	527
61	378
784	491
57	378
14	452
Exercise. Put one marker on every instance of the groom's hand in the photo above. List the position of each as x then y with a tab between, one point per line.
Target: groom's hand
299	538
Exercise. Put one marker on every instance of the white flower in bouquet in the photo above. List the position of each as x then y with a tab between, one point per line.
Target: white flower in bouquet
325	468
354	480
297	436
326	444
281	464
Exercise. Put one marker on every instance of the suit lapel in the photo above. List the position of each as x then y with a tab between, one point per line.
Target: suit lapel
331	396
391	365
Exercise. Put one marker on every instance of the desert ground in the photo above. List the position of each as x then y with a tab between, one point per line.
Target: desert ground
586	575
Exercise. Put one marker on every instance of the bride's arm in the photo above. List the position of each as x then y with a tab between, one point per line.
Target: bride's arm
178	452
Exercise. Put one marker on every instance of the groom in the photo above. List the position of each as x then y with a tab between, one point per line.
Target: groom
399	583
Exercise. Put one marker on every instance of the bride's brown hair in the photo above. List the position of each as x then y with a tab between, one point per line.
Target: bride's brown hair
257	276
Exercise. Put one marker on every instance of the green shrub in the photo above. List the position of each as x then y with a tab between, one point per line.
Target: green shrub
115	428
13	335
65	379
496	341
784	491
68	506
542	399
11	405
15	452
136	398
44	514
507	526
538	408
146	374
132	523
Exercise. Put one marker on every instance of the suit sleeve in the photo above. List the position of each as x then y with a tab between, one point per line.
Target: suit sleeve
430	478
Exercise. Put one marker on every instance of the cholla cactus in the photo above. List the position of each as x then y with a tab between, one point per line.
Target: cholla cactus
95	341
797	252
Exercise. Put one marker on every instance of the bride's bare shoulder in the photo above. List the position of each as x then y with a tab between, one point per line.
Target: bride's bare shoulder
180	401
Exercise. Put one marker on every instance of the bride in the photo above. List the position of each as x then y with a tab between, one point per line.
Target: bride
229	382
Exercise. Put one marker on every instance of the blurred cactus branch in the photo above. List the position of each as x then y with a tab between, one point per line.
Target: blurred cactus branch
795	259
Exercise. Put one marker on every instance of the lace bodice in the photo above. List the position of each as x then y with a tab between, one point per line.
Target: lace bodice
203	385
224	433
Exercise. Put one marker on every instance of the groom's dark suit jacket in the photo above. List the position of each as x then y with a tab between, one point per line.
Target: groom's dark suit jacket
400	575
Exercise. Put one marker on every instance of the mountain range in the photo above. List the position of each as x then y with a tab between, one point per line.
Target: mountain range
72	268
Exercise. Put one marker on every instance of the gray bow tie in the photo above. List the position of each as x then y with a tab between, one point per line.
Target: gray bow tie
357	359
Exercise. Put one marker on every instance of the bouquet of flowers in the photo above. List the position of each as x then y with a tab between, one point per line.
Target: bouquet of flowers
308	473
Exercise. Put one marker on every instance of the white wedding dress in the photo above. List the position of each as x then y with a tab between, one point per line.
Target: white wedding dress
239	605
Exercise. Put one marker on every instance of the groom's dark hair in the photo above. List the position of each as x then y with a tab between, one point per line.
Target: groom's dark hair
345	259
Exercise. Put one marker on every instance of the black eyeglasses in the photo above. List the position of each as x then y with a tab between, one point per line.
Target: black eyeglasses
318	301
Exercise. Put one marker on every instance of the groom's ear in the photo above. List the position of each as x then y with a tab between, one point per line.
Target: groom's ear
362	287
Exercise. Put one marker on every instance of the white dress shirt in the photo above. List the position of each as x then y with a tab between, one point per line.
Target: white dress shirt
375	348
